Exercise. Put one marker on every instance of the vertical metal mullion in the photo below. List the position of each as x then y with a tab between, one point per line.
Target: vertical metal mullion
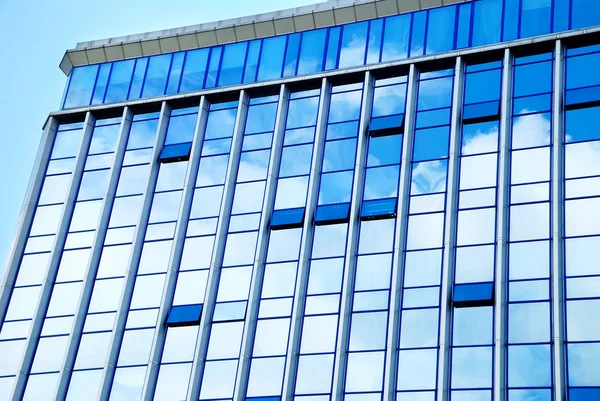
134	259
218	250
261	249
391	361
291	366
185	207
502	210
345	315
558	302
29	207
95	254
451	218
55	256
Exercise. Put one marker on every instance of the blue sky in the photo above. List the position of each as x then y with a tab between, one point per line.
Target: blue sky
34	35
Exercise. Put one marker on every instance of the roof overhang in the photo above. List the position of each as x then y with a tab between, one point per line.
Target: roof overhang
321	15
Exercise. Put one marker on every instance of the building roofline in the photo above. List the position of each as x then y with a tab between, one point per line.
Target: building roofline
320	15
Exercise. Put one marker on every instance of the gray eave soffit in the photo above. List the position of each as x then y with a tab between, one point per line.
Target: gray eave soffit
330	13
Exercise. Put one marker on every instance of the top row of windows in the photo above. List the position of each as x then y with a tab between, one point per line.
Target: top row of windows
437	30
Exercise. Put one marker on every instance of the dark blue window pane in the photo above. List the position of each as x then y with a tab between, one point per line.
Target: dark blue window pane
535	17
584	394
213	67
137	81
582	96
175	73
585	13
288	218
532	104
482	86
120	78
175	153
378	209
480	112
333	45
156	76
81	86
332	214
582	124
192	77
181	128
464	26
431	143
233	64
384	150
511	20
354	42
291	55
101	83
433	118
486	22
252	61
184	315
561	15
533	79
312	51
271	58
386	125
475	294
578	71
440	29
395	37
374	44
417	45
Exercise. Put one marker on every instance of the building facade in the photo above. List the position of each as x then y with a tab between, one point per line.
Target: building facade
362	201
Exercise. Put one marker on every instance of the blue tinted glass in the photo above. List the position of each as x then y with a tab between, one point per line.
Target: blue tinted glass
582	96
261	118
384	150
81	86
581	124
339	155
233	63
302	112
378	208
332	213
354	41
585	13
312	51
441	23
417	45
532	104
252	61
333	45
481	111
584	394
435	93
156	76
137	81
465	294
482	86
287	218
381	182
181	128
175	153
263	398
395	37
345	106
291	55
295	160
120	78
343	130
464	26
431	143
429	177
535	17
101	83
213	67
216	147
533	79
271	58
486	22
182	315
388	123
511	22
335	187
433	118
175	73
194	69
220	124
374	45
578	71
388	100
561	16
142	133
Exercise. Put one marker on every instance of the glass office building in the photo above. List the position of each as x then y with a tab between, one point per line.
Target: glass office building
376	200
